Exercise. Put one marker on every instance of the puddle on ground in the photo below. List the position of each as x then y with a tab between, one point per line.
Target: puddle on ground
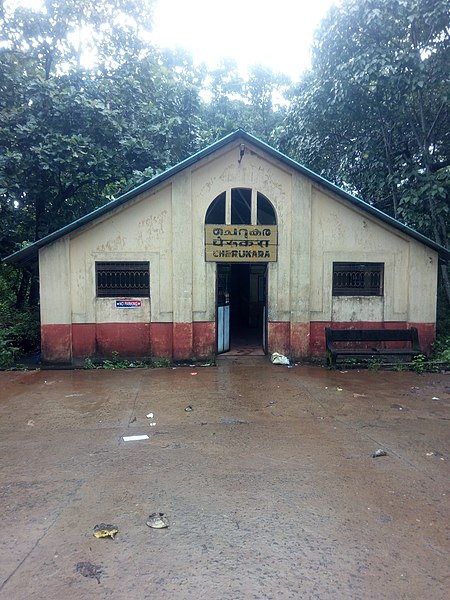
231	421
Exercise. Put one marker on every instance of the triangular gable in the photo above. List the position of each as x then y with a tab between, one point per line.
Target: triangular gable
29	253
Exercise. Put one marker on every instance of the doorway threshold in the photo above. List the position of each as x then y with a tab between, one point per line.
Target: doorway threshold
226	360
244	350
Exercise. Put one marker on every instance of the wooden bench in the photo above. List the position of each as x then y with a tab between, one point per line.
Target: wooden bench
355	342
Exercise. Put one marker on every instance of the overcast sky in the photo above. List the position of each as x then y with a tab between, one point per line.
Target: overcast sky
276	34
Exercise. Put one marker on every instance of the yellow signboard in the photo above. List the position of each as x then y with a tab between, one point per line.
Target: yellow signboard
241	243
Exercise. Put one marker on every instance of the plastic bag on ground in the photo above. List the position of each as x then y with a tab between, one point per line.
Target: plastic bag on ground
279	359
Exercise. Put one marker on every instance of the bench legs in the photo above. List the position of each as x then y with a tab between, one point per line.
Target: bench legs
331	359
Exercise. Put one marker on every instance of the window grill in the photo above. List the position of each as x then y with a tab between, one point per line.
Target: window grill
122	279
241	206
358	279
241	209
265	211
216	210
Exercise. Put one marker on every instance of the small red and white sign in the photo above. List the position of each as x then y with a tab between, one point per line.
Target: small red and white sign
128	303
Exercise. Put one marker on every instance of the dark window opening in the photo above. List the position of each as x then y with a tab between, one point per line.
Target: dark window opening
358	279
122	279
216	211
241	209
241	206
265	211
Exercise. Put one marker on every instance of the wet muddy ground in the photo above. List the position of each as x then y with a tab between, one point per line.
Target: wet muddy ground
269	484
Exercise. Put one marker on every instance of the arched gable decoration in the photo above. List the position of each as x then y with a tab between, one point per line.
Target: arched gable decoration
240	226
243	204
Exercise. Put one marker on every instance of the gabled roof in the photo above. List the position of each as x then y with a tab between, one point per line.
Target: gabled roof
29	253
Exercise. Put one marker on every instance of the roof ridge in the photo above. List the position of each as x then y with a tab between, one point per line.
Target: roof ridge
28	253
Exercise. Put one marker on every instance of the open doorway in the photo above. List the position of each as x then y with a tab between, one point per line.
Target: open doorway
241	308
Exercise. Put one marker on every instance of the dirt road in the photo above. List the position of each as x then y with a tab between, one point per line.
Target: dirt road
269	484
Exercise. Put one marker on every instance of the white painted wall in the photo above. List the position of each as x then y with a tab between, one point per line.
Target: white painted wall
166	227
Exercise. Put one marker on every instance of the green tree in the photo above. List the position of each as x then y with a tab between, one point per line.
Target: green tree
373	113
72	136
255	102
89	109
266	93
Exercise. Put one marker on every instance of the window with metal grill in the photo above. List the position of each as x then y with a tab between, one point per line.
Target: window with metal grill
358	279
122	279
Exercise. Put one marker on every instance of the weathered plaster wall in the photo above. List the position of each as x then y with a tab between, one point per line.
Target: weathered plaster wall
340	233
140	231
55	292
220	174
166	227
343	233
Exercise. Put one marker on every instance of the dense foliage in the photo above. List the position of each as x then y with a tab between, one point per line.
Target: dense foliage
373	113
89	108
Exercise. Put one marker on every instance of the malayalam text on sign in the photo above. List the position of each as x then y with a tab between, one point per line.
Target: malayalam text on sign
243	243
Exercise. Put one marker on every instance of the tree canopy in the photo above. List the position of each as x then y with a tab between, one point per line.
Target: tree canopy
70	134
89	107
373	113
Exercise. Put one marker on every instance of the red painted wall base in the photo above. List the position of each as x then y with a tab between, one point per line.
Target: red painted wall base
184	341
299	340
56	343
427	332
180	341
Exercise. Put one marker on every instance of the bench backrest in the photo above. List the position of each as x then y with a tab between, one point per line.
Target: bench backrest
373	335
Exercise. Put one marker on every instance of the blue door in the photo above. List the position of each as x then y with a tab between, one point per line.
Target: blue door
223	308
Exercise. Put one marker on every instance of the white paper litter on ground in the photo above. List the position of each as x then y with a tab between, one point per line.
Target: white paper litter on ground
134	438
279	359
